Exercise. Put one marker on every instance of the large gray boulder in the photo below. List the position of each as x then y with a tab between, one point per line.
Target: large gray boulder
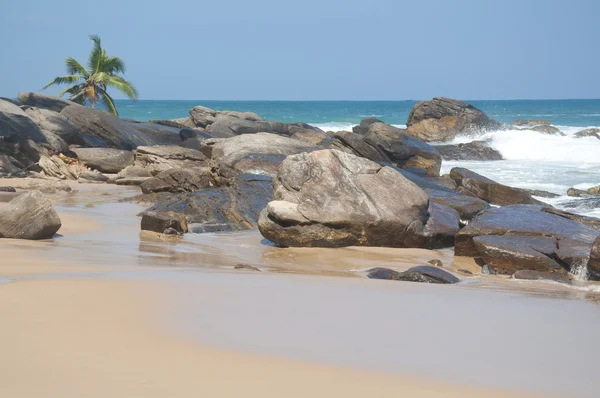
20	125
159	158
44	101
330	198
593	265
106	160
9	107
181	180
228	126
259	153
29	216
441	119
475	150
538	238
55	123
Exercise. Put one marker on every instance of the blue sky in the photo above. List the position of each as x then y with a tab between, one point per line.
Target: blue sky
314	50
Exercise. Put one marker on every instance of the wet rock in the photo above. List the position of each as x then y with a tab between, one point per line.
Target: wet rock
44	101
226	208
466	206
132	181
593	132
547	130
542	276
476	150
434	273
423	274
578	193
593	264
531	123
542	194
181	180
247	267
259	153
471	183
162	222
29	216
106	160
441	119
443	223
329	199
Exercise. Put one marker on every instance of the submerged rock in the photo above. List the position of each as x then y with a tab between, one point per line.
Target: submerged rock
542	276
423	273
476	150
531	123
547	130
593	132
29	216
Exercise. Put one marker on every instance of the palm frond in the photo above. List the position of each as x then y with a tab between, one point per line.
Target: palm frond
74	67
63	80
96	55
108	102
99	78
112	65
74	90
123	86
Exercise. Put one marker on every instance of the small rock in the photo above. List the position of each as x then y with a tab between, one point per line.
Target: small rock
164	222
436	262
7	189
246	266
29	216
422	273
526	123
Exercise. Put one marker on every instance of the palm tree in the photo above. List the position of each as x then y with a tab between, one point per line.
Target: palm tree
90	85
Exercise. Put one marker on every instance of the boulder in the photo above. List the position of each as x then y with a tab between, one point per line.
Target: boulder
530	275
533	237
92	177
29	216
21	126
228	126
243	115
159	134
329	198
594	190
363	127
593	132
55	123
160	158
306	133
44	101
181	123
442	225
422	273
441	119
467	206
10	107
54	166
202	116
7	165
181	180
547	130
473	184
160	222
226	208
259	153
11	100
476	150
106	160
531	123
132	181
593	265
578	193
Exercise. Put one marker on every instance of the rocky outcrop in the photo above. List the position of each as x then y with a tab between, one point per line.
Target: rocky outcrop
330	198
235	207
55	123
593	132
551	130
106	160
384	143
161	222
421	273
29	216
156	159
229	126
511	238
473	184
307	133
259	153
44	101
21	126
542	276
441	119
593	265
54	166
182	180
531	123
475	150
181	123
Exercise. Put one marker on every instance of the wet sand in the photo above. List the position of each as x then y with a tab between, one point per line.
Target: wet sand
103	310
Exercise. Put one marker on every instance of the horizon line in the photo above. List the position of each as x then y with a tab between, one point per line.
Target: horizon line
358	100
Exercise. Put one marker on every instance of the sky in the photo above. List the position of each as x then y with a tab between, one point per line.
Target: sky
314	49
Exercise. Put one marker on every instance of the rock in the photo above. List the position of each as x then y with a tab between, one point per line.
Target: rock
329	198
48	186
594	190
101	129
135	181
228	126
259	153
200	134
226	208
159	134
384	143
55	123
106	160
11	100
423	273
181	180
593	265
44	101
531	123
10	107
246	266
578	193
593	132
450	117
7	189
202	116
442	225
21	126
436	263
243	115
22	152
547	130
306	133
92	177
54	143
29	216
471	183
181	123
540	275
476	150
160	222
528	237
541	193
7	165
164	157
53	166
467	206
134	172
363	127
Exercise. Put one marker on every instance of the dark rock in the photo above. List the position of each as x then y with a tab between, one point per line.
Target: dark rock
531	123
21	152
21	126
7	189
471	183
226	208
43	101
423	274
180	180
329	199
593	265
159	134
29	216
106	160
466	206
160	222
542	276
181	123
306	133
435	273
200	134
542	194
363	127
547	130
593	132
228	126
246	266
476	150
55	123
8	165
443	223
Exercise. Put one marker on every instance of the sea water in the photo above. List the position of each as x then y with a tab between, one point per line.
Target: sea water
532	159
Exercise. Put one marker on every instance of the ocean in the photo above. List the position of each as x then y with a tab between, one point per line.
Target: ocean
533	160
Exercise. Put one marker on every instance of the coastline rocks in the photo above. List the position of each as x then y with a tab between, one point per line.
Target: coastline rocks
517	237
547	130
259	153
29	216
441	119
593	132
180	180
531	123
228	208
202	116
330	198
180	123
476	150
473	184
55	123
422	273
54	166
542	276
21	126
44	101
228	126
10	107
106	160
156	159
306	133
7	165
467	206
161	222
593	265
